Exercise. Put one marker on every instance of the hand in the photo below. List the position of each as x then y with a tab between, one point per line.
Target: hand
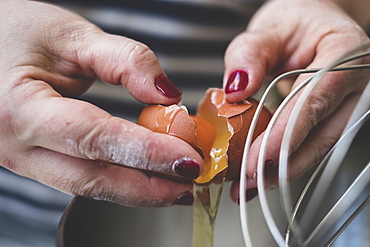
47	54
288	35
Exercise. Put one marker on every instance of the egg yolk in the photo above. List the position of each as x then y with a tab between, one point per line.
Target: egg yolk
214	135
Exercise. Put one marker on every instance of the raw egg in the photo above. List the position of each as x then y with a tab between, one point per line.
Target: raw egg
218	131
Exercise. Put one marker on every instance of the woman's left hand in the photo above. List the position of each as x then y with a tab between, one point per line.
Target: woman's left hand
288	35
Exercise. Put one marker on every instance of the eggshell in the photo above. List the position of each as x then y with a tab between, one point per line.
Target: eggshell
206	134
214	114
173	120
239	117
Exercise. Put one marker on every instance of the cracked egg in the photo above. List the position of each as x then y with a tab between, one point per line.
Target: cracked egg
218	131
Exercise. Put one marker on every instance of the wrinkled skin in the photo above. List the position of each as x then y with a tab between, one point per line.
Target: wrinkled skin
288	35
70	144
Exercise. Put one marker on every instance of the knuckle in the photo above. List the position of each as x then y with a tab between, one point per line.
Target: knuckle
138	58
155	159
95	186
115	142
91	146
152	153
138	54
318	108
98	142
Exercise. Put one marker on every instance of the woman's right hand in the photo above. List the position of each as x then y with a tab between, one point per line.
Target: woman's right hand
48	54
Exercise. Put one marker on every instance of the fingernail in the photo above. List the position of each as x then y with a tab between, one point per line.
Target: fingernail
187	168
167	87
185	198
269	164
251	193
238	81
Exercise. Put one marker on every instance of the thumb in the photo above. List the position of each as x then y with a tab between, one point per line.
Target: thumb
120	60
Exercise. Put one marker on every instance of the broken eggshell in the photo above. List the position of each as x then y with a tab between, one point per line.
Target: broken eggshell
218	132
239	117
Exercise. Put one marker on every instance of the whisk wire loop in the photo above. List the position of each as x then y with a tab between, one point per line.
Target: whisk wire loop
330	162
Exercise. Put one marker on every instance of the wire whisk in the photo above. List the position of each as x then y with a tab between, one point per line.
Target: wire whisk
298	232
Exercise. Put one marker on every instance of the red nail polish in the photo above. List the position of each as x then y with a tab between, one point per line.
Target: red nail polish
185	198
187	168
167	87
238	81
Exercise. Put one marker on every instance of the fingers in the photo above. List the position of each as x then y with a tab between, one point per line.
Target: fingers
309	154
247	59
82	130
69	53
70	144
303	33
269	49
101	180
251	190
321	139
119	60
327	97
261	50
319	125
306	150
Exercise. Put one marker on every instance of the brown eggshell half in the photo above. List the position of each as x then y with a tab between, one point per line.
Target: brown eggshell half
173	120
241	124
239	117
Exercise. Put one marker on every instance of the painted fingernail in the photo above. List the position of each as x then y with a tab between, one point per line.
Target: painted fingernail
269	164
167	87
251	193
187	168
185	198
238	81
